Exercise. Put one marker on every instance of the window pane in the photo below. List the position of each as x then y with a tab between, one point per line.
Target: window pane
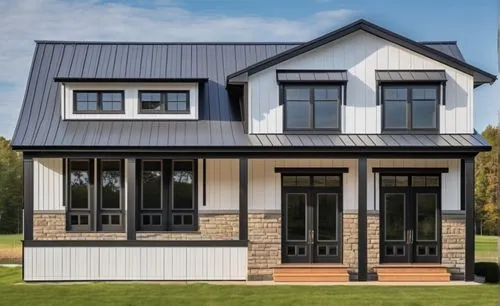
432	181
327	217
177	101
319	181
297	93
326	94
401	181
105	219
115	219
303	181
86	101
79	184
394	216
418	181
151	101
395	114
326	115
423	114
295	216
388	181
84	219
111	183
111	101
289	180
333	181
395	93
151	185
426	219
297	115
74	220
182	178
156	219
424	93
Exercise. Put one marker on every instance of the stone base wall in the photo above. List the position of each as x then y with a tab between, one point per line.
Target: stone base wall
52	226
453	242
264	244
211	227
373	251
350	241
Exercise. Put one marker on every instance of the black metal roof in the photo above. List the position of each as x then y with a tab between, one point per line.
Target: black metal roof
219	125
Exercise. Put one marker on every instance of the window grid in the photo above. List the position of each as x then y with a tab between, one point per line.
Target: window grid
99	102
164	102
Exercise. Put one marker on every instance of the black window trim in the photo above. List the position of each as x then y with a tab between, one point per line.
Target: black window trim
167	211
342	88
163	102
95	210
110	211
99	102
409	100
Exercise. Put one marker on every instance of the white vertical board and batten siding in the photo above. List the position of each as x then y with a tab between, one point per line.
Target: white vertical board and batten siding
222	185
450	182
264	185
134	263
361	54
48	184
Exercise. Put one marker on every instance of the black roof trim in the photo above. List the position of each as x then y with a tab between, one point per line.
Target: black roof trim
78	42
410	170
124	80
438	42
484	77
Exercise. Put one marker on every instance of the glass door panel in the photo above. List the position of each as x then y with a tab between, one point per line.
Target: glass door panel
426	227
326	247
394	243
296	247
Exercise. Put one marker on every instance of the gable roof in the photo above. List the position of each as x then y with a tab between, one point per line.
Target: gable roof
439	52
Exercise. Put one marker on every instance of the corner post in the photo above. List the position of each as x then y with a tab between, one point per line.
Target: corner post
243	218
468	192
131	197
28	198
362	220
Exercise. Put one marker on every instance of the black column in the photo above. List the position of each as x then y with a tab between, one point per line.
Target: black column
468	192
243	199
131	197
362	220
28	198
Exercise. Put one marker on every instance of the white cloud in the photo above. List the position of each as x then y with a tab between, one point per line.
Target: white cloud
21	22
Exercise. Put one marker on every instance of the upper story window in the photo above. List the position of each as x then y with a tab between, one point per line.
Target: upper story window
312	107
98	102
164	102
410	108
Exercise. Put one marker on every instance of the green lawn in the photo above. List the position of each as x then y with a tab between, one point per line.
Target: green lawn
204	294
486	248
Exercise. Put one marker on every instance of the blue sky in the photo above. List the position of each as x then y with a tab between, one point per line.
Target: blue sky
473	23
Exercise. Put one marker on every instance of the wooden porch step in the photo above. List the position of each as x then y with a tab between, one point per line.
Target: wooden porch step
412	273
310	273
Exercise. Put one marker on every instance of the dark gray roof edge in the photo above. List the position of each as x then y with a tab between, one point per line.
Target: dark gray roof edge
95	42
373	29
439	42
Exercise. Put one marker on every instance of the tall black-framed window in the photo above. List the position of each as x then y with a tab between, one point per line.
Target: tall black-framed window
111	194
409	107
167	195
164	102
312	107
95	198
98	102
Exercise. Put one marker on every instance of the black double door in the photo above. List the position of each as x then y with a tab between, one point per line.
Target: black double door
311	214
410	219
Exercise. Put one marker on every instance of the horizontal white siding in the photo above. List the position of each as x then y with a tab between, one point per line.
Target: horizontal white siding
47	184
131	103
222	183
134	263
450	184
264	185
361	54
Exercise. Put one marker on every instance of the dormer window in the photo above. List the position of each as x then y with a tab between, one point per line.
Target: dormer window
164	102
410	108
98	102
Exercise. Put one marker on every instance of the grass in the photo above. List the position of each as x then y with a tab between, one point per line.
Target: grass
205	294
10	249
487	248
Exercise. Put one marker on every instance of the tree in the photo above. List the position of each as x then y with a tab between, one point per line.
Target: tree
10	189
487	183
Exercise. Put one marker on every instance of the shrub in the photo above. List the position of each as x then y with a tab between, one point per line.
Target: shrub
489	270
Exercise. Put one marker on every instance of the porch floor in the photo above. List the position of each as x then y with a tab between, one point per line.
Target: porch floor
412	273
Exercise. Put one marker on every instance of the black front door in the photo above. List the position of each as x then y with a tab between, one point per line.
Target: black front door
311	214
410	223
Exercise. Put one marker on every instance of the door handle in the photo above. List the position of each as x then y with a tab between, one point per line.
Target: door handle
310	237
411	235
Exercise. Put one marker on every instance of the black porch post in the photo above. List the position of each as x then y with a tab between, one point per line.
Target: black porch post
131	197
362	220
468	192
243	231
28	198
